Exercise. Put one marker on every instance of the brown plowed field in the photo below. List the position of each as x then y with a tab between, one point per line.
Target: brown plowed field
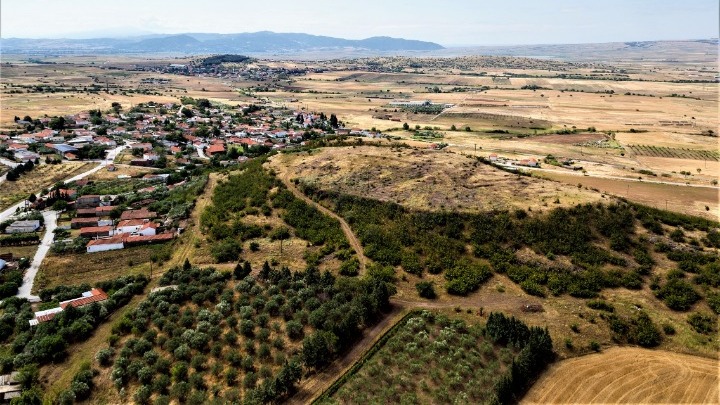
629	375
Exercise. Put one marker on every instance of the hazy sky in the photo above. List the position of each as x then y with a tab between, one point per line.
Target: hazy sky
448	22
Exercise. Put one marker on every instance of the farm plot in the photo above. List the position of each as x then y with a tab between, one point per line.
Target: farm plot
237	340
40	177
677	153
432	358
629	375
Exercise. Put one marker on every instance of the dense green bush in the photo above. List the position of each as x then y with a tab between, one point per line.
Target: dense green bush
703	323
639	330
426	289
466	277
678	295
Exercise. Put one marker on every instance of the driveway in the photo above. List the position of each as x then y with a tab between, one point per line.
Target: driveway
43	249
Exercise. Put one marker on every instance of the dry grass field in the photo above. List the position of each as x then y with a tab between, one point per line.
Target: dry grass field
699	201
40	177
629	375
71	269
423	179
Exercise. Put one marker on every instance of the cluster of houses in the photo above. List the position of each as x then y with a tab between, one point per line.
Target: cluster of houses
252	72
66	142
134	227
157	131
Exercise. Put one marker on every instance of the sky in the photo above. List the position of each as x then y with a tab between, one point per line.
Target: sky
448	22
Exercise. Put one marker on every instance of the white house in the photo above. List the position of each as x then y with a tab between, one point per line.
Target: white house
148	229
130	225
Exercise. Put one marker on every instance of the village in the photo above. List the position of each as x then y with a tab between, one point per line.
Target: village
150	157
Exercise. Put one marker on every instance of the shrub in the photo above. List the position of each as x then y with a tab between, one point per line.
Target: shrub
702	323
466	277
104	356
678	295
426	289
350	267
601	305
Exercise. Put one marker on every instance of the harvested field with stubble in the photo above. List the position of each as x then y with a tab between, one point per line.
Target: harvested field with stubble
426	180
629	375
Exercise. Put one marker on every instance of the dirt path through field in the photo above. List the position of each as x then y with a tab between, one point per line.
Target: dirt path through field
352	239
629	375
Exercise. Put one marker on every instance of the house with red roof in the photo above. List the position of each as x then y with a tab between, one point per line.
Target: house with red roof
215	149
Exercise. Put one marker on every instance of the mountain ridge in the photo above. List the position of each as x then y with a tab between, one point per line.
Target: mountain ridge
198	43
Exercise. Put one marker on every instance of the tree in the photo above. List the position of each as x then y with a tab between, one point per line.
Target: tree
116	107
32	198
333	121
319	348
453	127
425	289
406	126
57	123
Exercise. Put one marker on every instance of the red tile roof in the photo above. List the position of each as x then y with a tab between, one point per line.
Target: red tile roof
95	229
107	241
96	295
137	214
217	148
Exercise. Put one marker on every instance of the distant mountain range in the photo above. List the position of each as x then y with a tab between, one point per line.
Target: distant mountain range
249	43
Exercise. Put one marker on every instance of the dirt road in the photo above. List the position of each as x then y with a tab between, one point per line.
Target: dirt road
349	235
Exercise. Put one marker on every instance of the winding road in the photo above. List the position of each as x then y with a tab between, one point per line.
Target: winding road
349	235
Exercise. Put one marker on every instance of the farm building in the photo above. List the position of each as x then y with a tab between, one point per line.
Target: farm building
87	201
23	226
44	316
96	231
87	298
77	223
138	214
86	212
142	240
103	245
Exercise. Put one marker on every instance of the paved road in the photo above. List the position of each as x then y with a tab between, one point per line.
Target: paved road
50	225
349	235
200	152
7	162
